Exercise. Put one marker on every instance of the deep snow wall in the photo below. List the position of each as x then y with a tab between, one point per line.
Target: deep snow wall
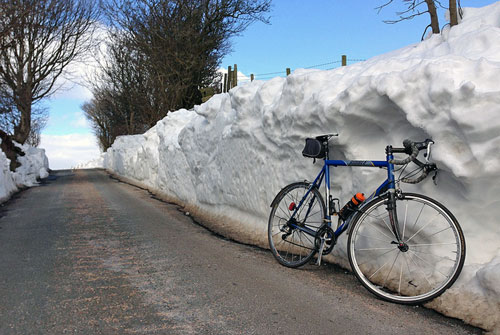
34	165
230	156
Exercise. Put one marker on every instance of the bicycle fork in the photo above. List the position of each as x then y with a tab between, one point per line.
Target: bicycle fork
393	219
391	202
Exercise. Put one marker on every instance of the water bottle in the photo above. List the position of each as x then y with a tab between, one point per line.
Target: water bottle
351	207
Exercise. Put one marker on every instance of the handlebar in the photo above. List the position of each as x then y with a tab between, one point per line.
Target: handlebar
412	149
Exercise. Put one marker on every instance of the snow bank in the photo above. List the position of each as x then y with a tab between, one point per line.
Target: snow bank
96	163
34	165
231	155
7	184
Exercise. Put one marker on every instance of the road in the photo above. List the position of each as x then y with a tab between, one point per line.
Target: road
87	254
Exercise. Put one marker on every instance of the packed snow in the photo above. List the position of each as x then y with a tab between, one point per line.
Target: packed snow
230	156
34	166
92	164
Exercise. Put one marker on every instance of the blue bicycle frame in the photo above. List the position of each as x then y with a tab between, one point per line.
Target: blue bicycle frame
387	185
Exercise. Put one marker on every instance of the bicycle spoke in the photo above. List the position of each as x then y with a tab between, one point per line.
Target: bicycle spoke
418	216
404	223
302	234
392	266
385	253
318	211
370	249
441	257
431	244
284	212
279	232
380	268
420	270
306	203
438	232
374	238
279	217
428	223
423	260
400	278
381	232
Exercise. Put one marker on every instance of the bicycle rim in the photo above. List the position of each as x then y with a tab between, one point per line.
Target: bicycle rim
420	269
290	245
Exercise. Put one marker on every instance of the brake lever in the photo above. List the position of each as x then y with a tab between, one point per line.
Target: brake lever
427	154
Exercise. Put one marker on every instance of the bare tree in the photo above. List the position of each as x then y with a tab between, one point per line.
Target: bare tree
10	117
184	41
41	39
453	12
39	118
413	9
100	112
160	53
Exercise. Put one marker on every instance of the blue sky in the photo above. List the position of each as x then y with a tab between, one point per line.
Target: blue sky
300	34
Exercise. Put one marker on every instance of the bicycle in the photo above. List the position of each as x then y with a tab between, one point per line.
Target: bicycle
403	247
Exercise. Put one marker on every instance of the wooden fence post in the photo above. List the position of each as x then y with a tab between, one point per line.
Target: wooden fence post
235	75
252	77
287	71
229	78
225	83
344	60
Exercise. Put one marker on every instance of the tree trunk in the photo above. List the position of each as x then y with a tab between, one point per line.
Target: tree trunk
10	150
434	18
22	130
453	13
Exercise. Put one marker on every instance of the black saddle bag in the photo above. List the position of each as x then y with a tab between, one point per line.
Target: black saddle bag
313	149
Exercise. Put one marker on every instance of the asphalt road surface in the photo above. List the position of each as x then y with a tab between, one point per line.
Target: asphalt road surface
87	254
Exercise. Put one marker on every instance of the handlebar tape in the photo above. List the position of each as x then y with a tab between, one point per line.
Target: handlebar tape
411	149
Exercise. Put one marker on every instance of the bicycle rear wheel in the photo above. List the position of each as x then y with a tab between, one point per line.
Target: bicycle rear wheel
292	239
422	267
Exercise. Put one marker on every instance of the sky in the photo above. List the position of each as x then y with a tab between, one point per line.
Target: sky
301	34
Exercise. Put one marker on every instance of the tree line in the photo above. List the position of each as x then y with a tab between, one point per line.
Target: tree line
158	54
38	39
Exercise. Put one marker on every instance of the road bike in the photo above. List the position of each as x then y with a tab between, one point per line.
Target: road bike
403	247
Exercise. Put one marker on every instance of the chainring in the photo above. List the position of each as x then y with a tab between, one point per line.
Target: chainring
330	240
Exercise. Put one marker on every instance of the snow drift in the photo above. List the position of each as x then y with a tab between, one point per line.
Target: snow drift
229	157
34	165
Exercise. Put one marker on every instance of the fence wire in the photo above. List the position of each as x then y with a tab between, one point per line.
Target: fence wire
269	75
330	65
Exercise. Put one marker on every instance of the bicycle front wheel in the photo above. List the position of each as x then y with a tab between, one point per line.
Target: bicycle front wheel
292	237
426	261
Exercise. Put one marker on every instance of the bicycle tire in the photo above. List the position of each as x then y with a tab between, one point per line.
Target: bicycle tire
291	246
422	270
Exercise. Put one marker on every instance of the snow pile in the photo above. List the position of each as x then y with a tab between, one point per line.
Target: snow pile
34	165
7	184
96	163
230	156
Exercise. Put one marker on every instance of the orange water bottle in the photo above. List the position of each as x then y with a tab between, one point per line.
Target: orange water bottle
352	206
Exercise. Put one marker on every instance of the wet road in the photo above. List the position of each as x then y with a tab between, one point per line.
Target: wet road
87	254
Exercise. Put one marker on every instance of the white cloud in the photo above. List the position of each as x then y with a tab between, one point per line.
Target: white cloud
80	121
66	151
242	78
69	89
75	81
